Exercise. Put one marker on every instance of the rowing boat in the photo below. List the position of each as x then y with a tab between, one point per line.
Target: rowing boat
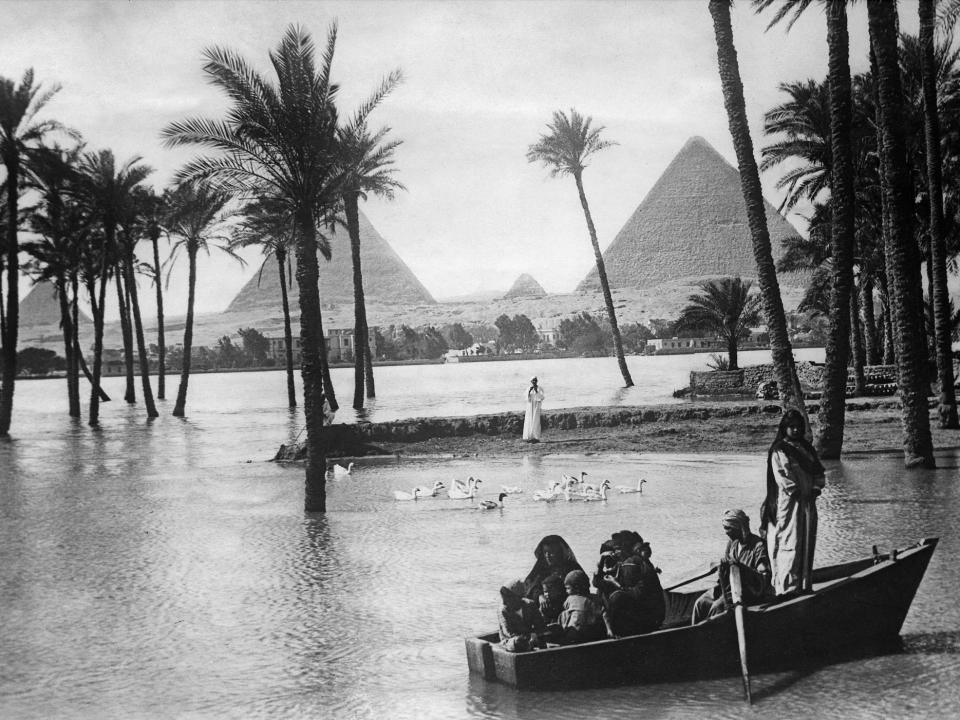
854	607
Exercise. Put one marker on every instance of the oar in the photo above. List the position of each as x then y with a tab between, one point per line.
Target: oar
736	594
710	571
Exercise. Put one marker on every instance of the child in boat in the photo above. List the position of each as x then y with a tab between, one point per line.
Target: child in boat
552	598
583	618
521	625
629	585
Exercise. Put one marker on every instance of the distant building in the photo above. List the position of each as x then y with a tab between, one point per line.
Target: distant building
548	329
340	345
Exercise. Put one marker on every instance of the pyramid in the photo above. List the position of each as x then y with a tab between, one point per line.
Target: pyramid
525	286
41	306
386	278
692	223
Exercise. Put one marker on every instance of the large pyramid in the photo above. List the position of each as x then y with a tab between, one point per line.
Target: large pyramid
386	278
692	223
40	306
525	286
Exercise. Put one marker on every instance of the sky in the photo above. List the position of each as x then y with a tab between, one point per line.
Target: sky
482	79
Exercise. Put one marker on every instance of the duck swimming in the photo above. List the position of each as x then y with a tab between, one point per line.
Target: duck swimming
627	489
401	495
491	505
341	471
431	492
459	491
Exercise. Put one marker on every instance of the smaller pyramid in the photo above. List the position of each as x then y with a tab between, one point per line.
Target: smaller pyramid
41	306
525	286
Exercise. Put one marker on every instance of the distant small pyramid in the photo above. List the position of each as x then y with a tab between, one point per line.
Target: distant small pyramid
525	286
692	223
42	307
386	278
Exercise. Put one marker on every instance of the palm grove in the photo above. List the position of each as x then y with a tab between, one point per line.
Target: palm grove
874	154
287	167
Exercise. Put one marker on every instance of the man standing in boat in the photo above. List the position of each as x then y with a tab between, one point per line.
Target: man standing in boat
749	552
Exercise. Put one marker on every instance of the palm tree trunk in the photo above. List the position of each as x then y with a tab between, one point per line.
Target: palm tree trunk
780	347
939	294
368	367
732	352
12	320
328	391
869	321
97	308
359	308
180	407
141	344
161	343
833	403
900	247
73	396
74	369
311	365
130	394
604	284
287	332
857	353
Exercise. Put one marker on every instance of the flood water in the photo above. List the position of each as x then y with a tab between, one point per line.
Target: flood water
166	569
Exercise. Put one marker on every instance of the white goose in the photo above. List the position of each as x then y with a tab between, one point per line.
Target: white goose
600	494
401	495
490	504
627	489
340	471
511	489
461	492
568	481
550	494
431	492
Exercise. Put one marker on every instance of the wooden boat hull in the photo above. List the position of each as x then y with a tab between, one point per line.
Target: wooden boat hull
854	607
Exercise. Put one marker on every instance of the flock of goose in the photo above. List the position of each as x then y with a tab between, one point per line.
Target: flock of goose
568	488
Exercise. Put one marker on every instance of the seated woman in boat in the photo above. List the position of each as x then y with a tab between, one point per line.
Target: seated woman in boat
629	586
521	626
749	552
583	618
554	557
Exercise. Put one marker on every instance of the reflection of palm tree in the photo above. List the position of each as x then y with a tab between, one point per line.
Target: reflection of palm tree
369	164
780	347
195	220
19	133
901	250
280	140
725	307
565	148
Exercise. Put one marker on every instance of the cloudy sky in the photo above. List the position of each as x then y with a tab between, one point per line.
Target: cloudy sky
482	80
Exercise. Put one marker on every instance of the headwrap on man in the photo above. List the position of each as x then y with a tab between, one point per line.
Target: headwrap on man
737	520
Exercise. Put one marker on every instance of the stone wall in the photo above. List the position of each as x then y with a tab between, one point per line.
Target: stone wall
718	382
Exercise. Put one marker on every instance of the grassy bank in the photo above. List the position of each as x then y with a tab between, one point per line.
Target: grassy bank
872	425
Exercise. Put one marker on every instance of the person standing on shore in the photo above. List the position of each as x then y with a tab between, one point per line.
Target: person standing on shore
788	516
531	421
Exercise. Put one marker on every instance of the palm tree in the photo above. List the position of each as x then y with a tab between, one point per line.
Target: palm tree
152	209
108	190
780	347
564	149
726	307
268	223
940	294
280	140
20	132
833	401
196	217
369	164
62	226
901	250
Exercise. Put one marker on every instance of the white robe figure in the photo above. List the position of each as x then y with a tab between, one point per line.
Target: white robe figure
531	421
